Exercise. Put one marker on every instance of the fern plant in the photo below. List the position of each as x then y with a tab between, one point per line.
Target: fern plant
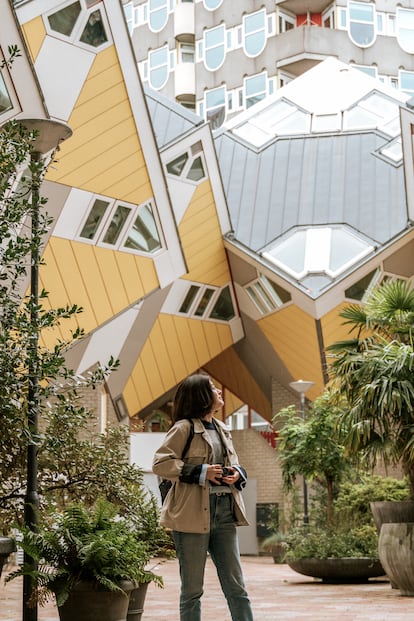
82	544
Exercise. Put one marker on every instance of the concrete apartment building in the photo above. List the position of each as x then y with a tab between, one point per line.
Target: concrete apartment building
219	57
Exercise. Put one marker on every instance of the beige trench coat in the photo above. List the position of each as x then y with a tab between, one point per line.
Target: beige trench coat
187	505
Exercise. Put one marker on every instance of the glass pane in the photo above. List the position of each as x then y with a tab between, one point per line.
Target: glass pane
144	233
357	290
205	299
158	14
407	80
256	84
212	4
254	22
176	166
283	295
259	303
94	33
117	223
216	117
292	252
254	43
344	248
189	299
158	62
362	34
5	101
94	219
64	21
223	308
215	98
361	12
214	37
196	171
214	57
405	29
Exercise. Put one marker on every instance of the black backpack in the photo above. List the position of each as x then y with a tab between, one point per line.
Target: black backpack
165	484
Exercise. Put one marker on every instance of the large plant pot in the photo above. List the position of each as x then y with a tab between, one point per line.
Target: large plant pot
90	602
338	570
392	512
7	547
396	552
136	602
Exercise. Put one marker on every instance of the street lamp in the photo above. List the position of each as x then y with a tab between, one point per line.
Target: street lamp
49	134
302	387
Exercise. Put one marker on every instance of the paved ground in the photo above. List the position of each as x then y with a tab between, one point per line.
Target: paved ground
277	594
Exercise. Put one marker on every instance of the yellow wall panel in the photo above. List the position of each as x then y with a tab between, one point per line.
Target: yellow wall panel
332	326
292	333
113	278
176	349
34	33
201	239
105	148
138	273
94	282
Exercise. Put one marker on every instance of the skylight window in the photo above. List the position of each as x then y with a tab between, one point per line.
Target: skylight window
375	111
315	256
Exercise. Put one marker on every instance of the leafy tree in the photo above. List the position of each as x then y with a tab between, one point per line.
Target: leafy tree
313	447
75	462
374	372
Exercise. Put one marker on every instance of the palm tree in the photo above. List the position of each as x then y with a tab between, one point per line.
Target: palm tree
374	371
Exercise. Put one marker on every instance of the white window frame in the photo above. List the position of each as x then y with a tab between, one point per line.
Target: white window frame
400	10
151	11
374	23
206	108
250	78
202	288
194	151
206	50
401	87
284	18
218	4
263	29
267	300
15	106
80	26
97	239
165	64
184	49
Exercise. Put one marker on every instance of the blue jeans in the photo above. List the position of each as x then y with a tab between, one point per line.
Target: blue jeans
222	544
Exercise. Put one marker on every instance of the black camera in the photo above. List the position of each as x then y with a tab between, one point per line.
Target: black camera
227	471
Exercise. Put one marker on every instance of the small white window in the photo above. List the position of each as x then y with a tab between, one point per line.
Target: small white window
189	165
407	81
82	23
158	67
214	47
254	30
405	29
186	52
361	24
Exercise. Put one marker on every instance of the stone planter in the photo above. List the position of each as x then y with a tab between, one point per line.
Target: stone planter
338	570
7	547
136	602
90	602
396	551
392	512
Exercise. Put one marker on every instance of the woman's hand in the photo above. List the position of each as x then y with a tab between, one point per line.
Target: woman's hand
231	478
215	475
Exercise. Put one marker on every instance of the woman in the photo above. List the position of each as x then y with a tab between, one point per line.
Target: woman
204	505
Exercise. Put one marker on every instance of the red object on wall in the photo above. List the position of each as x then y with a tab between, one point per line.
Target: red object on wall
309	19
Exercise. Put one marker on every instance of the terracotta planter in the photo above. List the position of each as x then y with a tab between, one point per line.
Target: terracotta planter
392	512
338	570
136	602
396	552
7	547
89	602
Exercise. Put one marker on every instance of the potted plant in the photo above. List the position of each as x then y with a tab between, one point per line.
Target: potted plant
374	371
88	559
313	448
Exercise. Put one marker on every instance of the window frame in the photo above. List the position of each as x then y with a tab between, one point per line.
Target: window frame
215	46
399	11
193	152
209	307
151	11
352	21
123	234
166	64
11	93
262	29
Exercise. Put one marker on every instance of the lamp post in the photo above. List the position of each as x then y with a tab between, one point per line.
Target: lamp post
49	134
301	386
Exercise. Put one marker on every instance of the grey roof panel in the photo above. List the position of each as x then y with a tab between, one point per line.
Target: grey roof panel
170	120
311	180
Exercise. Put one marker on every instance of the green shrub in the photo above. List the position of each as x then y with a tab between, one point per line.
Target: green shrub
319	543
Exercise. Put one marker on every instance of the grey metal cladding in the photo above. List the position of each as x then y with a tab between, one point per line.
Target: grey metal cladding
312	180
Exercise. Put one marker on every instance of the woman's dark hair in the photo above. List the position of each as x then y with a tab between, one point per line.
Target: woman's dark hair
194	397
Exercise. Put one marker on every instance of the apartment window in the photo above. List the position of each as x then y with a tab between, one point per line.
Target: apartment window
371	71
158	14
186	52
407	81
121	226
129	16
208	302
286	22
405	29
328	18
267	295
212	5
254	31
215	106
189	165
158	67
79	22
255	89
361	23
214	47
